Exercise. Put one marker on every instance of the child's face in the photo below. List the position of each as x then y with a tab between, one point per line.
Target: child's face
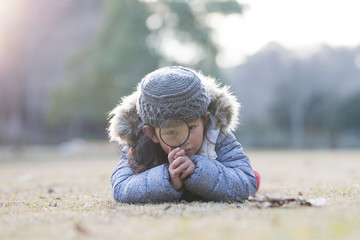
196	137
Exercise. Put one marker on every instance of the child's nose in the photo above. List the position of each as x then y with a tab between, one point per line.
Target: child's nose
186	143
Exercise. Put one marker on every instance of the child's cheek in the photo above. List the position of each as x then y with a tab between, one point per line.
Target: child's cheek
198	139
164	147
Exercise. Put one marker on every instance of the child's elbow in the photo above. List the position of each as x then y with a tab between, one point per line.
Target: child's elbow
118	197
248	188
122	195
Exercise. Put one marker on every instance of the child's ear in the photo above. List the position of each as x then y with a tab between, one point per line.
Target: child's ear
152	136
207	116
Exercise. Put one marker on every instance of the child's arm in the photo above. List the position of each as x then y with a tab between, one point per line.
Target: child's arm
228	178
151	186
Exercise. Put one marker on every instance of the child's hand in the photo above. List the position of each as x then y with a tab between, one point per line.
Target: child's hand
180	167
183	164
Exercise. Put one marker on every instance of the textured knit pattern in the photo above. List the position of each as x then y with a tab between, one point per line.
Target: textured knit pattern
229	177
171	92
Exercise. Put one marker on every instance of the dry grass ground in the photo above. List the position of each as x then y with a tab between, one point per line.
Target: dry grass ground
44	195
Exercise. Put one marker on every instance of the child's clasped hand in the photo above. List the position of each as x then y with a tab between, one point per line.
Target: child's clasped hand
180	167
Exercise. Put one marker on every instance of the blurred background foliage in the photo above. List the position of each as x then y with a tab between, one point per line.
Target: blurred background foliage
61	77
132	42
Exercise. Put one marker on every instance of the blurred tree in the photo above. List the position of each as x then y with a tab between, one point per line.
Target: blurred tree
34	43
306	93
348	113
295	96
292	101
342	118
136	38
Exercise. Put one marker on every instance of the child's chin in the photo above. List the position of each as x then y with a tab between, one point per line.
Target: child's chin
189	153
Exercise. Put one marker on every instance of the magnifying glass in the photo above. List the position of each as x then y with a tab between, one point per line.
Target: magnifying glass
174	132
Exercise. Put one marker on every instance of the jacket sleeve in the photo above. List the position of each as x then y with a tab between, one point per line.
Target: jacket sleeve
151	186
229	177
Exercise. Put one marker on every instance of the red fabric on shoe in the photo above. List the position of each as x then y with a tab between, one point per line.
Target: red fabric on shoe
257	176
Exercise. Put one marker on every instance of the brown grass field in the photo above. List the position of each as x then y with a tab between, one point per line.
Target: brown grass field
44	195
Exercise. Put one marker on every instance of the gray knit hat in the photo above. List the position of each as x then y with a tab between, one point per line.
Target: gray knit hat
171	92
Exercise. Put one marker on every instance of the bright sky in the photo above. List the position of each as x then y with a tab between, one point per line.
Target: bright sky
301	25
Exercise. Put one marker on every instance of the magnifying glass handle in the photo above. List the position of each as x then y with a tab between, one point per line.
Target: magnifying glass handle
171	149
172	158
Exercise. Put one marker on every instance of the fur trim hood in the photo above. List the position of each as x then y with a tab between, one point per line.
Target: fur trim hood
125	122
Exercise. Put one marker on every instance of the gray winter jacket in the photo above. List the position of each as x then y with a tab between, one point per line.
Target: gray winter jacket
222	171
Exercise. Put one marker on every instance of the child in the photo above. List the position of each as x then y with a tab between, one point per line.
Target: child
209	165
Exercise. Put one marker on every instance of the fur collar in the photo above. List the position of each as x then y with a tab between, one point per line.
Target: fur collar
125	123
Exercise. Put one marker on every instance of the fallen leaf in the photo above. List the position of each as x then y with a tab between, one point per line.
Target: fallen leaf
51	204
81	229
318	202
167	207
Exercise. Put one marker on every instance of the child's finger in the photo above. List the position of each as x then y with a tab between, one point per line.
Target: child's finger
180	169
180	153
188	172
177	162
171	155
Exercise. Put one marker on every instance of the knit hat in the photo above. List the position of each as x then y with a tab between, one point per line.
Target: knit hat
171	92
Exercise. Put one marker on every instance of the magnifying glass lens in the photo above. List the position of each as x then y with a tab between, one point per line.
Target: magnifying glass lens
174	132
